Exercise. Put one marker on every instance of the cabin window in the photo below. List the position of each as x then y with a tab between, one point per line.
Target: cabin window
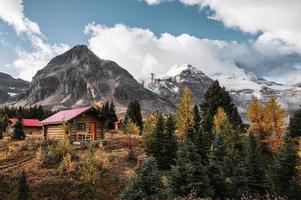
81	127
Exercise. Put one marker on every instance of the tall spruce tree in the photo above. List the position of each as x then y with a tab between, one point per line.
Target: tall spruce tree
23	188
232	162
188	175
170	142
285	174
217	166
18	133
202	144
215	97
294	127
112	117
162	143
146	185
196	119
256	178
133	113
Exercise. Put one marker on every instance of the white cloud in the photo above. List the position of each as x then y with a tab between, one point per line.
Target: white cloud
153	2
28	62
277	21
11	11
141	52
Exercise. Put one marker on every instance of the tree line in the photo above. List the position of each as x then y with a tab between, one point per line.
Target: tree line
205	151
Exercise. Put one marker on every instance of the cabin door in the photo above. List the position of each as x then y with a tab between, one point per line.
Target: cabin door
92	127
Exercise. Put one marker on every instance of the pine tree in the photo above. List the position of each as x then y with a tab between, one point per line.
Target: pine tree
216	97
184	118
255	173
23	188
146	185
196	119
285	172
112	117
202	144
3	124
294	127
18	133
217	167
105	112
162	144
133	113
188	175
229	141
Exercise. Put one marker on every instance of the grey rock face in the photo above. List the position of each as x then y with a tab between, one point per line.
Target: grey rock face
78	78
10	86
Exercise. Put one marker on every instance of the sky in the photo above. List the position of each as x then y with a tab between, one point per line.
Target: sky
150	36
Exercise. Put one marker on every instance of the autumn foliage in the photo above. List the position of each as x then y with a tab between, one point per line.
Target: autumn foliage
267	122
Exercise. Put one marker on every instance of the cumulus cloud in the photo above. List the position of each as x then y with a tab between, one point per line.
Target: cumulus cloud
28	62
141	52
12	12
277	21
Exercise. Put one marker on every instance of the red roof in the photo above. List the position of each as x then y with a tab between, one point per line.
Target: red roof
27	122
65	115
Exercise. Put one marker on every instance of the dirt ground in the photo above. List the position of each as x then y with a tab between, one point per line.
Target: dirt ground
47	183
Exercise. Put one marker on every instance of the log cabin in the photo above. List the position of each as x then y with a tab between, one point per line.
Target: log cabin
30	126
85	125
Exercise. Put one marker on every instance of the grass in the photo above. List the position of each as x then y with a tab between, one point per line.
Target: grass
47	183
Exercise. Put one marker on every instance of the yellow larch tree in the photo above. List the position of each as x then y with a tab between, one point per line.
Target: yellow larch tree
149	126
184	118
274	118
255	114
219	119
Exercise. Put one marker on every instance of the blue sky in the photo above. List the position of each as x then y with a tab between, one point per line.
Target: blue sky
41	29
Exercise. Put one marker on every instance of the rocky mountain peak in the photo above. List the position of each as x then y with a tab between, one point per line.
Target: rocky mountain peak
78	77
73	56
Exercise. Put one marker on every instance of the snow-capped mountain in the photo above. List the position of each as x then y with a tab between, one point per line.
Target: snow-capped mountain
241	84
171	85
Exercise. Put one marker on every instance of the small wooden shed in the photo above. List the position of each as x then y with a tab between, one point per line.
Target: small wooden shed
85	123
30	126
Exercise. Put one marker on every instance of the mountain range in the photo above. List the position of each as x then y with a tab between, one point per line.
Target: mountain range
10	87
78	77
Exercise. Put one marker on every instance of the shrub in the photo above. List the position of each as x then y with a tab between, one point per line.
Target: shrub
89	170
23	188
39	154
54	153
66	164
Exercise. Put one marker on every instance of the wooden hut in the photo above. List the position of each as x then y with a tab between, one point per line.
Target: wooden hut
85	124
30	126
